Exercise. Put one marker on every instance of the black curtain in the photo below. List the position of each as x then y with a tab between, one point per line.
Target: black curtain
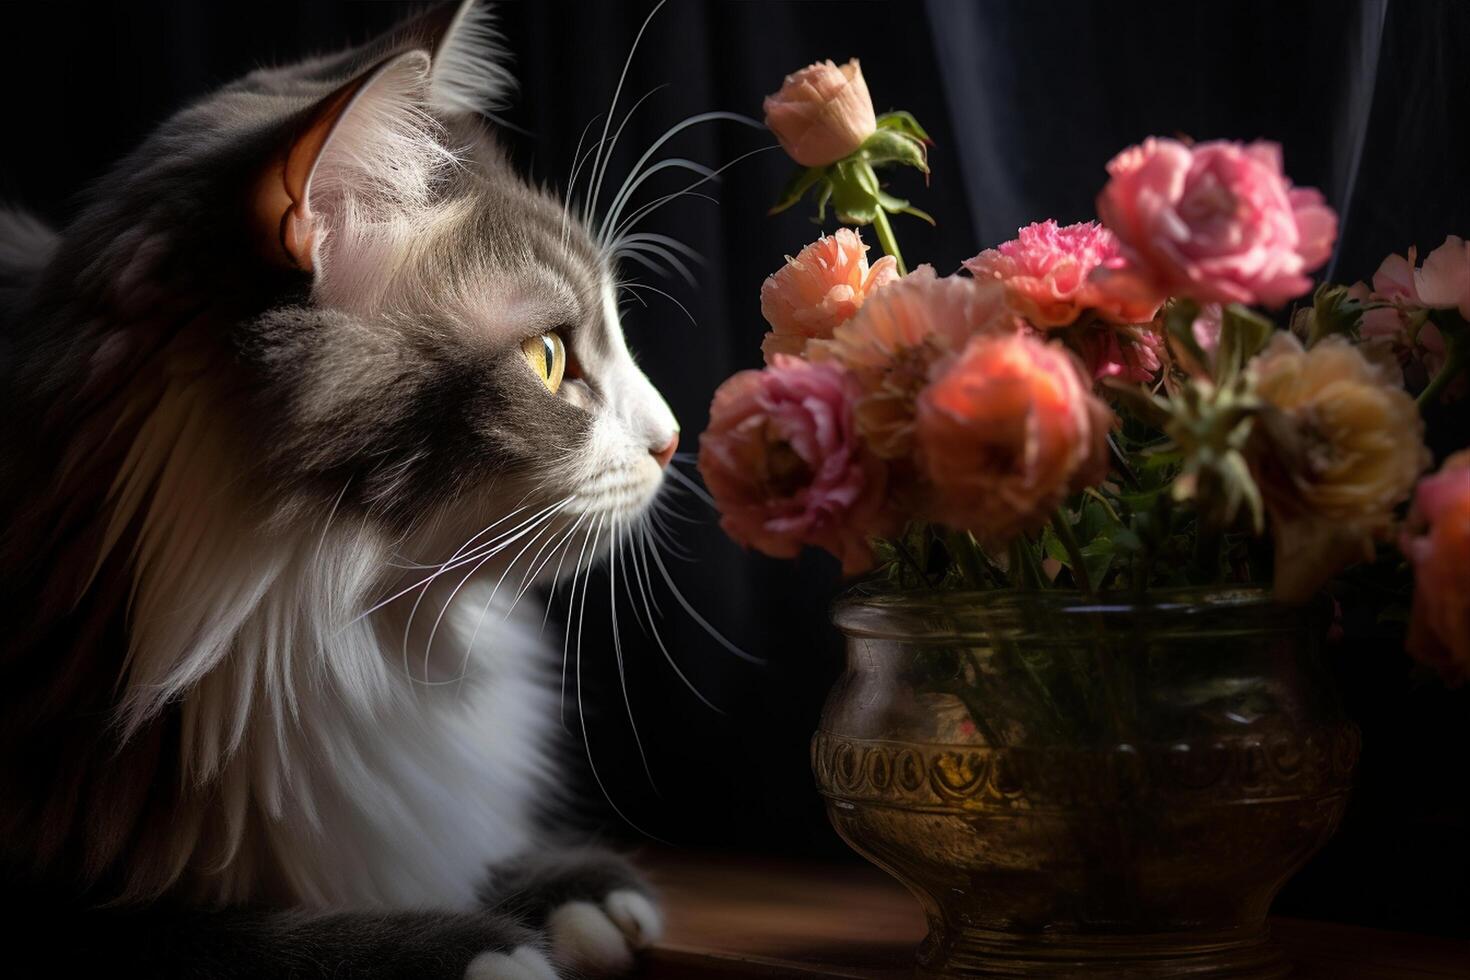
1026	102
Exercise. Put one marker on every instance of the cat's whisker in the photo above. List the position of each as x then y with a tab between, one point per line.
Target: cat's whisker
672	299
694	614
536	566
668	241
599	165
612	595
645	579
582	720
490	601
541	526
565	549
693	487
611	234
675	263
479	557
622	557
572	605
578	158
612	144
673	664
630	187
466	555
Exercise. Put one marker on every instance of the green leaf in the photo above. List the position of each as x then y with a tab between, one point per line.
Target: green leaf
903	122
1334	311
854	192
1179	325
1243	332
1139	401
887	146
824	194
796	188
896	205
1097	556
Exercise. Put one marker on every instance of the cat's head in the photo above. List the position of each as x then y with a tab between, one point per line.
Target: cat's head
330	306
459	353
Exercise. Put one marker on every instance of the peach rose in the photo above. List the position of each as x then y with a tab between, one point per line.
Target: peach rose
1006	431
1443	283
784	463
1438	546
822	287
1338	448
1047	273
891	344
1217	222
822	113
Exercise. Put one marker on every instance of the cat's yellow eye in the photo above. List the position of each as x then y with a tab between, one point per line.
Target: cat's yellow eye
547	356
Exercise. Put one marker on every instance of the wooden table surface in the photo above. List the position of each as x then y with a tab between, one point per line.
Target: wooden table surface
735	917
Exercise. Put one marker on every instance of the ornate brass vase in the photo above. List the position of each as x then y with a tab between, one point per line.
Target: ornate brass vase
1086	788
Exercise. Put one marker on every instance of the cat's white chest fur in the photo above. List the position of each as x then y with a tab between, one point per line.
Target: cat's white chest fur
408	803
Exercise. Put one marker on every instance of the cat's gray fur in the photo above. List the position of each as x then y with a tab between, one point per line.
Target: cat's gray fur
220	471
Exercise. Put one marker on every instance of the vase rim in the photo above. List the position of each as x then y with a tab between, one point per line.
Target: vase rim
947	613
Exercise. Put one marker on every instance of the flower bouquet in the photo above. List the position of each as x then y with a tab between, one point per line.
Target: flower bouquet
1095	482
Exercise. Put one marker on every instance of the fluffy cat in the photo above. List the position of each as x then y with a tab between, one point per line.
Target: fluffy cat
311	370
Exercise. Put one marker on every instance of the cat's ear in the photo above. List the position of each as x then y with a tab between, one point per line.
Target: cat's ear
470	73
367	143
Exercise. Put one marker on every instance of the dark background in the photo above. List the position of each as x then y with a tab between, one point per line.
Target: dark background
1026	101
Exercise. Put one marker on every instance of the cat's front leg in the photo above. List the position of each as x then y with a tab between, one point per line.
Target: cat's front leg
595	907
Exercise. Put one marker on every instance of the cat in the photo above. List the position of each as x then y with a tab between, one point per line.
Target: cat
307	396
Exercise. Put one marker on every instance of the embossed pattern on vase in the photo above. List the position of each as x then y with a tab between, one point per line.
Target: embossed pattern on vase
1150	855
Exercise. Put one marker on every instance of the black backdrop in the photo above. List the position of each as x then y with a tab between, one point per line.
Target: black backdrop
1026	101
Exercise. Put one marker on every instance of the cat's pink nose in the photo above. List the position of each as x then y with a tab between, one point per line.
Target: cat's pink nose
662	456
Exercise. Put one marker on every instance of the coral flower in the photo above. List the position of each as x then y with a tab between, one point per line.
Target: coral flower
1438	546
822	287
786	468
891	344
1216	222
1006	431
1339	447
1047	273
822	113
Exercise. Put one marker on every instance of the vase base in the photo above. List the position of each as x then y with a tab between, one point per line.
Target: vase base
985	953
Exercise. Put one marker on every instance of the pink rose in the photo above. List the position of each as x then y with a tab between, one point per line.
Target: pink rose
1439	549
1006	431
1047	273
812	294
1216	222
1396	323
783	461
822	113
1444	281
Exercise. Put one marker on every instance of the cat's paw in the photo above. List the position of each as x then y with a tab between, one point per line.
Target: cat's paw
521	963
599	939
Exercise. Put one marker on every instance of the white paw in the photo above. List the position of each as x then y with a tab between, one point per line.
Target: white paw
521	963
640	919
600	940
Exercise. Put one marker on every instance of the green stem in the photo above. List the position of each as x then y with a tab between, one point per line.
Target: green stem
1455	360
886	239
1026	574
1064	533
913	562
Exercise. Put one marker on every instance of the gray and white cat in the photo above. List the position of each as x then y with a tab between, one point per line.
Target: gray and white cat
307	359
